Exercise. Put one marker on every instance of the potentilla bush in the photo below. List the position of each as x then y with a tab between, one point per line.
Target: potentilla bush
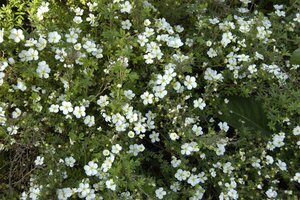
120	99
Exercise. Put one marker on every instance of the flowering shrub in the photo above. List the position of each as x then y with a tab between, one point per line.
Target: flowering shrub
128	99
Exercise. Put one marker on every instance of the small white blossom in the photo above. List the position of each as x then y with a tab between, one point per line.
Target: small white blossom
39	160
126	7
43	69
91	168
110	184
296	130
116	148
89	120
199	103
53	37
16	35
223	126
271	193
54	108
190	82
154	136
79	111
70	161
126	24
147	98
1	35
160	193
66	107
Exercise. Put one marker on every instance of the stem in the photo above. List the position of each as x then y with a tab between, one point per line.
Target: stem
10	175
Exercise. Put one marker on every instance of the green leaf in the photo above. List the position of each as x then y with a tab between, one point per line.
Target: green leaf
295	58
248	113
133	76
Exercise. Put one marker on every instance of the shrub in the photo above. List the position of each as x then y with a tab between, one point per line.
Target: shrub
149	99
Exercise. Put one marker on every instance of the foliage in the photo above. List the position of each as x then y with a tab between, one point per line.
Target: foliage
174	99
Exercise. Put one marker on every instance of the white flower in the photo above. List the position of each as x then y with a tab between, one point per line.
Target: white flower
41	44
227	168
278	139
43	69
1	35
34	192
16	35
199	103
39	160
190	82
197	130
252	69
3	66
182	175
89	120
16	113
116	149
160	193
223	126
70	161
77	19
84	189
91	168
149	58
139	128
297	18
142	39
44	8
221	149
280	13
297	177
54	108
77	46
186	149
212	53
175	187
281	165
136	149
175	162
110	184
147	22
126	24
193	180
21	86
129	94
226	38
66	107
126	7
64	194
174	42
189	42
31	54
296	130
98	53
173	136
12	130
72	37
30	42
54	37
147	98
131	134
160	91
79	111
271	193
212	75
89	46
103	101
269	160
154	136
